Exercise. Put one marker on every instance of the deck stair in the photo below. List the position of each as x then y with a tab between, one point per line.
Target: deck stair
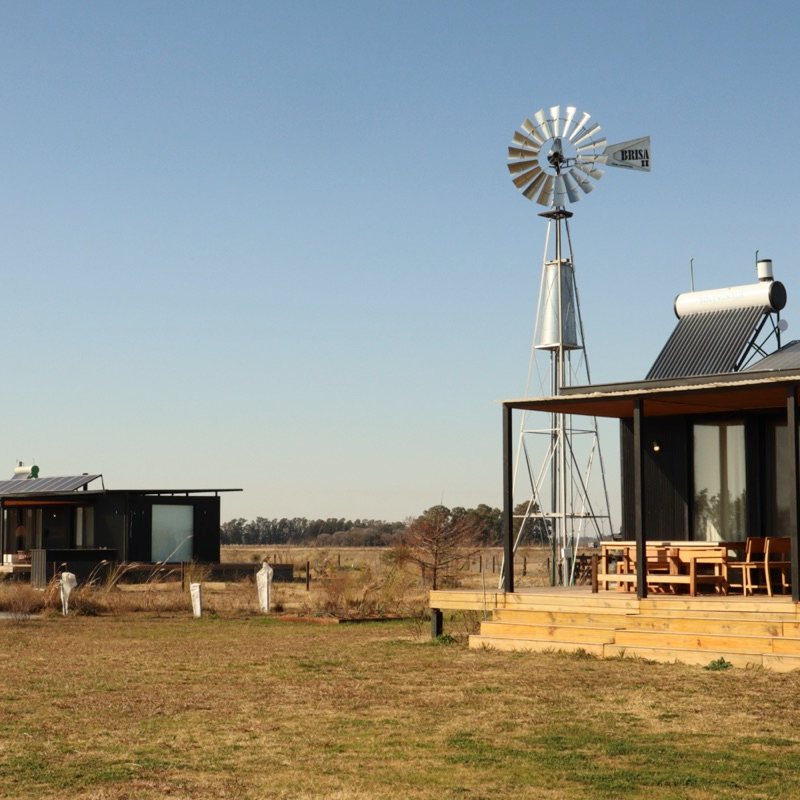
752	631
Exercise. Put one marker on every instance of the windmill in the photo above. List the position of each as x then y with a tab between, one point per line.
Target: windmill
554	159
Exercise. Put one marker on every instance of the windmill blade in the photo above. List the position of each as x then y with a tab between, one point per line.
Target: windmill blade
587	135
534	187
541	121
560	192
524	180
572	188
589	170
568	121
583	182
516	152
555	118
530	129
547	192
525	143
633	154
581	125
521	166
592	146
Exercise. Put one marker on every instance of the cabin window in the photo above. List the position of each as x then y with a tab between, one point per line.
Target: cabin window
779	487
720	496
173	530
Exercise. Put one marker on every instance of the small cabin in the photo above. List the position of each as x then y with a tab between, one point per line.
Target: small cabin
76	520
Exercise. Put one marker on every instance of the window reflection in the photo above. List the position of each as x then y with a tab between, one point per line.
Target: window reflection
720	498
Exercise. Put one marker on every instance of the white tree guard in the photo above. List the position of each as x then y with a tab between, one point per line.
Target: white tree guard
196	592
68	583
264	585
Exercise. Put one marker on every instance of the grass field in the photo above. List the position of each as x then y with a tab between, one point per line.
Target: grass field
160	705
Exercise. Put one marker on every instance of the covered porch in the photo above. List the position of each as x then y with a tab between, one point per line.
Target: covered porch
668	430
680	590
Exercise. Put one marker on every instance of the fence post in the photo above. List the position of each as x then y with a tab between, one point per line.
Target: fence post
308	576
595	587
437	623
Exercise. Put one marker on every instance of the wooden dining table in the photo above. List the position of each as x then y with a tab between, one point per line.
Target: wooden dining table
672	567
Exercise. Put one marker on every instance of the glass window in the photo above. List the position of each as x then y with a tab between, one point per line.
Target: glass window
720	492
173	528
779	488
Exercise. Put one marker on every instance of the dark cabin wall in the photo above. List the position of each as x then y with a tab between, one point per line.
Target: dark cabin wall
205	546
667	478
110	523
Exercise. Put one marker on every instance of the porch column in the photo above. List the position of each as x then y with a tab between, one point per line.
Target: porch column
638	498
508	503
794	499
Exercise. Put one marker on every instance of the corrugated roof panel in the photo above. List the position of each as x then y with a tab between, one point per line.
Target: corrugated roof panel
707	343
788	357
42	485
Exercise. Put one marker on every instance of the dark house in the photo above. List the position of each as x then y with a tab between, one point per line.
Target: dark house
66	520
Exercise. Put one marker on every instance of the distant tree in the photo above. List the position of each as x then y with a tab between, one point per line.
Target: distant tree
438	542
233	532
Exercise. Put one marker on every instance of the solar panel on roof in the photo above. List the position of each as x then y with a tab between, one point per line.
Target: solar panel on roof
707	343
43	485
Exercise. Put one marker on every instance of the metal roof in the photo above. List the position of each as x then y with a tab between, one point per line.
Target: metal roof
68	483
734	392
707	343
788	357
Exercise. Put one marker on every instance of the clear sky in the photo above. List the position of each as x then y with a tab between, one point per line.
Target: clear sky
274	246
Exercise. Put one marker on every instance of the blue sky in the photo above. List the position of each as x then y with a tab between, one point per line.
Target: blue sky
275	246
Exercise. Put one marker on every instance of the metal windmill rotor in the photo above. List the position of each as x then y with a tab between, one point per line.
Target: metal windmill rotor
555	158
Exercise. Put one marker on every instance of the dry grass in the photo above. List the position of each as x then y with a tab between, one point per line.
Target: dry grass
144	706
345	582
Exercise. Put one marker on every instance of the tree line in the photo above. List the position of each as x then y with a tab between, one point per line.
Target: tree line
484	521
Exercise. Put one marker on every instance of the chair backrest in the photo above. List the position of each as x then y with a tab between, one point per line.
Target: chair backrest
756	548
777	546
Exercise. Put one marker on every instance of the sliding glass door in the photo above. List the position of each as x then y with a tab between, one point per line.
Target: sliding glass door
720	491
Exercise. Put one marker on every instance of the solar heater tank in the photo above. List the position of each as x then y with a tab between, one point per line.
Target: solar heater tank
767	294
551	334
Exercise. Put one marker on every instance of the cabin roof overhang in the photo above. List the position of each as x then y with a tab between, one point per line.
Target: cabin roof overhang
707	394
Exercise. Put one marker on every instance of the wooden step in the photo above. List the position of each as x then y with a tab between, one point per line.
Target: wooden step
526	630
716	624
700	658
567	602
607	618
723	642
534	645
717	604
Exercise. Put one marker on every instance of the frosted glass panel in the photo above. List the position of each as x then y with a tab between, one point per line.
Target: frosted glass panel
720	496
173	529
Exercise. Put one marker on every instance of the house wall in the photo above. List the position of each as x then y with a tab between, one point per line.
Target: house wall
205	543
667	478
110	524
124	523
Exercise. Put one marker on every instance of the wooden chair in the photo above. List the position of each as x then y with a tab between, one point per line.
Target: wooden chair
777	558
752	568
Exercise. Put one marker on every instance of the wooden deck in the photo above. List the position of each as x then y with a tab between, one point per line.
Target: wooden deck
746	631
